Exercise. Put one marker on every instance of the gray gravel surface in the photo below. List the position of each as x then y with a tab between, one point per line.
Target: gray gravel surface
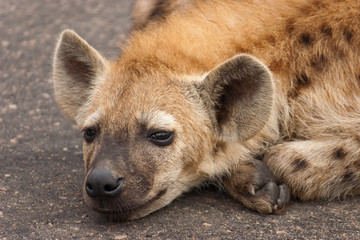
41	158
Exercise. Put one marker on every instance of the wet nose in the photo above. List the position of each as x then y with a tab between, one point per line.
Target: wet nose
101	184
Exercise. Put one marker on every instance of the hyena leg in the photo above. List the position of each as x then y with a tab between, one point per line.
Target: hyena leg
256	187
317	169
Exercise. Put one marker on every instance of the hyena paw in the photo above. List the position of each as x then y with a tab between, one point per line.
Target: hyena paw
260	190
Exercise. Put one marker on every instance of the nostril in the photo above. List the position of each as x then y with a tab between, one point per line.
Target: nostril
90	190
89	187
113	190
110	188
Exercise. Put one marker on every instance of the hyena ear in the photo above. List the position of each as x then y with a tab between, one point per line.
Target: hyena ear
76	68
238	95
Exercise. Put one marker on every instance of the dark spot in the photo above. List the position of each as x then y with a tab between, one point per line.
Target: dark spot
322	59
271	39
349	176
293	93
348	34
339	153
290	26
300	81
303	80
299	164
356	164
319	62
326	30
306	39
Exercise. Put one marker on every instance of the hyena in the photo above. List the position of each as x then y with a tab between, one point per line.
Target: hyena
262	97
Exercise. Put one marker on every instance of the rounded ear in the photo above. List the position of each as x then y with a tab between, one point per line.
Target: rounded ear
76	68
238	96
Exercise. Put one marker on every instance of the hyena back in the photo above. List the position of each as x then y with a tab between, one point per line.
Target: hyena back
201	94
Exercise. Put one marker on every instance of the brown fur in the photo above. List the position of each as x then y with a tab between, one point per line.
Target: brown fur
175	75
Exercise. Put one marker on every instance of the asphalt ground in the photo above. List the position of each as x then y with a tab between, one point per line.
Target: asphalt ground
41	170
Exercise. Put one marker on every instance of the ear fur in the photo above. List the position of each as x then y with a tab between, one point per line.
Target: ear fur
238	96
76	68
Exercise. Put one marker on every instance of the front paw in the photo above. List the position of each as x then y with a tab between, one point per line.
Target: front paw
257	188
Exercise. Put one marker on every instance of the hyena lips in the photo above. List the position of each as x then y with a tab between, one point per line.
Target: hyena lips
182	105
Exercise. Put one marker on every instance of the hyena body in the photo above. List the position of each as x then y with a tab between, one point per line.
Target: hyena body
203	91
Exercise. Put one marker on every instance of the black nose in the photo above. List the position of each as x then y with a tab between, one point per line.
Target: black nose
101	184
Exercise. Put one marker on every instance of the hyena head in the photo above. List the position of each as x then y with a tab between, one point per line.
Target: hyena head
150	135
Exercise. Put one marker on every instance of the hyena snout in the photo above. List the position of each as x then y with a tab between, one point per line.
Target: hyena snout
100	183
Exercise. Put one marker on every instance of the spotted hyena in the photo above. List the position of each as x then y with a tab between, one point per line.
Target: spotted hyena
262	97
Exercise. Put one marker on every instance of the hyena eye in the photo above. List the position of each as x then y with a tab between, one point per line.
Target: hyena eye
162	138
90	134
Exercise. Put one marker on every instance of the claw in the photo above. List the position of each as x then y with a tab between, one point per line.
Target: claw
284	195
252	190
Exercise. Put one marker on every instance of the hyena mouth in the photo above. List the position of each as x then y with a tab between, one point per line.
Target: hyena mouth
116	208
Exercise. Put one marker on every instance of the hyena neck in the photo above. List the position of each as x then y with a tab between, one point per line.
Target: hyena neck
200	39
